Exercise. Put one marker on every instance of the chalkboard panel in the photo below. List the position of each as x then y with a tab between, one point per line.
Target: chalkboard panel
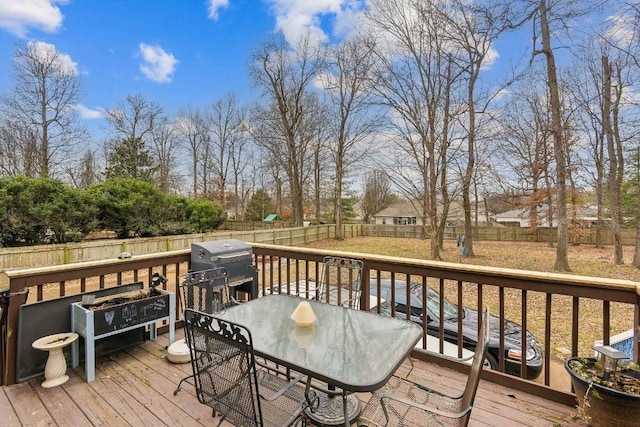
49	317
124	315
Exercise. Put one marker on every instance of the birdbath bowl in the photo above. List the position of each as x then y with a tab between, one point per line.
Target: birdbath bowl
55	371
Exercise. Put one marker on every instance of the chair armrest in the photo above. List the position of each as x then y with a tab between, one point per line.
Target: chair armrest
431	409
422	387
284	389
447	357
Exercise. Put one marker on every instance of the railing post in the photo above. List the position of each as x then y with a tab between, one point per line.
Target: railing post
17	297
636	332
365	290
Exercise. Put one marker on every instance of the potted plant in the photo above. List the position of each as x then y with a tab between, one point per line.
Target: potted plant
608	393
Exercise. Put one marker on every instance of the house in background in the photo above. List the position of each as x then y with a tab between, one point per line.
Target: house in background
522	218
405	213
401	213
587	214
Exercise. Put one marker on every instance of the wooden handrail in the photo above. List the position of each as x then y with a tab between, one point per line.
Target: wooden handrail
293	265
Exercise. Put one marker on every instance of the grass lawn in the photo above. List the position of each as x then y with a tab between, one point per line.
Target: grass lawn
583	260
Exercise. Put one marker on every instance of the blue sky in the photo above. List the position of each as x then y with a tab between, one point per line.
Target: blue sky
176	53
179	53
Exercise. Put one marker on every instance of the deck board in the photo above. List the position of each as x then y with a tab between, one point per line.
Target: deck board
9	416
60	406
28	406
135	387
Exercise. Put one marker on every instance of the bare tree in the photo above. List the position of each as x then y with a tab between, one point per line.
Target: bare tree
417	79
586	91
243	156
47	88
86	173
611	98
192	128
624	64
472	29
18	150
323	169
562	256
132	124
550	21
286	77
225	122
353	118
165	146
377	194
526	146
134	118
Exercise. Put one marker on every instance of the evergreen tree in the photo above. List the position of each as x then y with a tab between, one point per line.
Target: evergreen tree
259	206
130	158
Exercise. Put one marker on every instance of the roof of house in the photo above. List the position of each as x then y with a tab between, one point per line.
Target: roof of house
582	212
400	209
271	217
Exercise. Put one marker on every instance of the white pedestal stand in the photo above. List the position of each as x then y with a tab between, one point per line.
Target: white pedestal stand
55	371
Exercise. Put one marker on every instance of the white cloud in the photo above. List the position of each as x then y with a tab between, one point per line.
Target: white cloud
158	65
17	16
490	58
48	51
87	113
621	29
215	6
297	18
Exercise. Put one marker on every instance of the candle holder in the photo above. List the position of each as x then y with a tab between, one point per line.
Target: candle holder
303	315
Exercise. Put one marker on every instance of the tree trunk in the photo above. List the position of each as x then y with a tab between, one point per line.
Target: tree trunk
614	159
636	252
338	203
468	174
562	256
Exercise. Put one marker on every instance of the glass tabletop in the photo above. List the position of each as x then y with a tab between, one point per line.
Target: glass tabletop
351	349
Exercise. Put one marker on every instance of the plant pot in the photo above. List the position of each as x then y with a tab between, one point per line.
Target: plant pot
604	406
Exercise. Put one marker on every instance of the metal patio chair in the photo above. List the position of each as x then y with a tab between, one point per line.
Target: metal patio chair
404	402
228	379
206	291
340	282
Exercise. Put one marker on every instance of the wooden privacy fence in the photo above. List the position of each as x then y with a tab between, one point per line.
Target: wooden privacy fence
43	255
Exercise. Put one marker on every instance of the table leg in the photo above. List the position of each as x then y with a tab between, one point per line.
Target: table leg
335	409
347	421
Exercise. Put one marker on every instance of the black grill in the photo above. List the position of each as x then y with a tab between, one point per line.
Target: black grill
235	256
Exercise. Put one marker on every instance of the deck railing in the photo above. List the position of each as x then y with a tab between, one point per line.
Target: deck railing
565	312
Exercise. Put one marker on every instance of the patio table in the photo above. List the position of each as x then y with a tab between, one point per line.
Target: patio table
352	350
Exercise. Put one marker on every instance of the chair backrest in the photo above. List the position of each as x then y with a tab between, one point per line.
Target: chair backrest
478	362
205	290
340	282
224	367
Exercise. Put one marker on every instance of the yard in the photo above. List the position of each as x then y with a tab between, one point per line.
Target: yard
583	259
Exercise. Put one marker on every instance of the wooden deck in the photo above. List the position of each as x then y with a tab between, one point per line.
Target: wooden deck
135	388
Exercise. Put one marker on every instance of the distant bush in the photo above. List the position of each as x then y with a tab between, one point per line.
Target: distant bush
204	215
43	210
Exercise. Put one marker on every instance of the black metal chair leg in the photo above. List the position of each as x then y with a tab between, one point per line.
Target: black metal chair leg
180	384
